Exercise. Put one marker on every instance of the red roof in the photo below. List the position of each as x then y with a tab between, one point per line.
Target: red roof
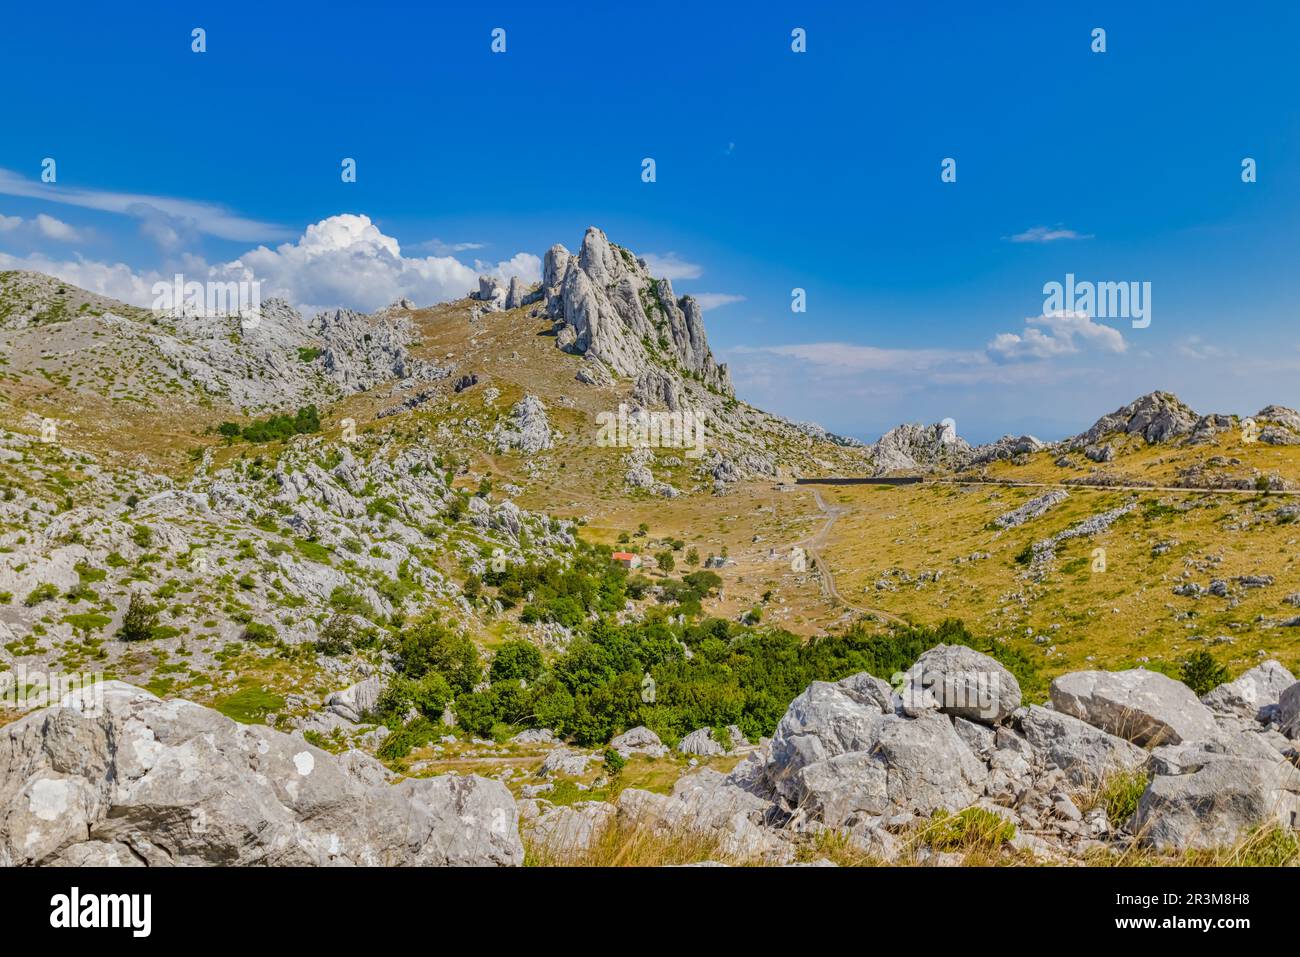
623	556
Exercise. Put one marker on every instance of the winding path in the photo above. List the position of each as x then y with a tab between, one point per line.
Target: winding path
812	546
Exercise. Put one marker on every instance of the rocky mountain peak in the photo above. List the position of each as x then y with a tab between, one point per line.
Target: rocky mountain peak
1156	416
914	446
607	305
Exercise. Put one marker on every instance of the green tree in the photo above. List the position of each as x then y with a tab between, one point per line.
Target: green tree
514	660
428	645
140	620
1200	672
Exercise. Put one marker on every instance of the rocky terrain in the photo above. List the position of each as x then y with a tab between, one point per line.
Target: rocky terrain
948	762
348	583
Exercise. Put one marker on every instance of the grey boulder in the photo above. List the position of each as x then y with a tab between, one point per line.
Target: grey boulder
1255	690
1217	801
640	740
960	681
172	782
700	742
1086	754
1141	706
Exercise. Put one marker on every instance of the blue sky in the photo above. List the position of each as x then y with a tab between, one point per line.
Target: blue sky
775	170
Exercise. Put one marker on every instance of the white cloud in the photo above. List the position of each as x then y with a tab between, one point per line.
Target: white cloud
209	219
42	227
712	300
524	265
438	247
1047	234
1064	332
671	266
57	229
345	260
847	358
1194	347
115	280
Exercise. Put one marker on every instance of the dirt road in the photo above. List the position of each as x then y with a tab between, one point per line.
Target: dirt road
813	546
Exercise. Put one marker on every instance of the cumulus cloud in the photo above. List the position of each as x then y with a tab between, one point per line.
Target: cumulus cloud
524	265
1047	234
671	266
1061	334
345	260
114	280
42	227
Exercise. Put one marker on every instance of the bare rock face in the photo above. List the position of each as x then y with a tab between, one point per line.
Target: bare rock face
913	446
1156	417
700	741
1007	447
838	754
135	778
258	363
1086	754
616	311
527	428
1141	706
1254	693
1217	800
960	681
491	293
572	829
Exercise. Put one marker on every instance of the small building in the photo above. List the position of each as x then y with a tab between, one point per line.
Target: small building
627	559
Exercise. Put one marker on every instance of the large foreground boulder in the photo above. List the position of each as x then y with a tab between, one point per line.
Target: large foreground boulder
1217	801
710	805
837	755
1141	706
1086	754
825	721
1252	694
135	778
915	765
960	681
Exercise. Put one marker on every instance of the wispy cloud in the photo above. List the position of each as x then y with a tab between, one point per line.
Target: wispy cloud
848	358
1194	347
209	219
1047	234
439	248
671	266
712	300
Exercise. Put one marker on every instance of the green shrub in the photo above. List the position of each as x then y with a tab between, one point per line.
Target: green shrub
140	621
1200	672
41	593
614	762
516	660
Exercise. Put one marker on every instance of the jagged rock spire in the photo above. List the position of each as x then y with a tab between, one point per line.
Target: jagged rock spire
607	305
